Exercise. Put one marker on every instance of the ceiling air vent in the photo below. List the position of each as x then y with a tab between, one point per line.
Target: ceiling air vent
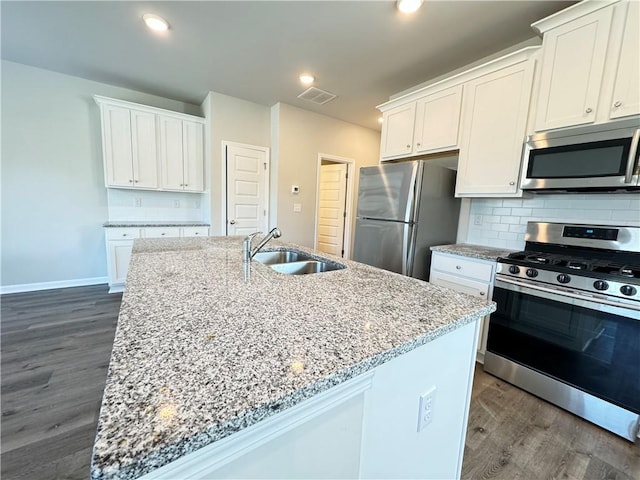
317	96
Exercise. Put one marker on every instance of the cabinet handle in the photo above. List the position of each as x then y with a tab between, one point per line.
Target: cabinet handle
408	146
124	234
186	185
482	294
418	144
458	267
588	110
162	234
135	181
232	222
512	183
130	181
617	104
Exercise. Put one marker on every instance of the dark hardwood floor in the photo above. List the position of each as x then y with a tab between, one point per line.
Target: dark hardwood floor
55	352
56	346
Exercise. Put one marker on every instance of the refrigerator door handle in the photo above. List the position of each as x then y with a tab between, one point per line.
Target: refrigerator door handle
408	248
414	190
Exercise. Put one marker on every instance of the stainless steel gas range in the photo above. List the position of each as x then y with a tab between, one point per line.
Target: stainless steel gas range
567	325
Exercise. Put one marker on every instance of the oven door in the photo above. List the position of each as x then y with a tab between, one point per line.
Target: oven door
591	346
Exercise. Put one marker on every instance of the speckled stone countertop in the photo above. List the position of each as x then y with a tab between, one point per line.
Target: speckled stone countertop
473	251
150	223
206	347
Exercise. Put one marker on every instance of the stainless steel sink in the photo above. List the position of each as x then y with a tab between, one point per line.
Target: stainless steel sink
303	268
280	256
295	262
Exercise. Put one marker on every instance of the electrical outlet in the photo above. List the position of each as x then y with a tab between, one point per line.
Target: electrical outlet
176	203
425	410
477	220
137	202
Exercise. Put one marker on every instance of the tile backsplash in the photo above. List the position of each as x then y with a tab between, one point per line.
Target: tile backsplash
502	222
143	205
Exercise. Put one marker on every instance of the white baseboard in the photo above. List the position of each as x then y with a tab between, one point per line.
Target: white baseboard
33	287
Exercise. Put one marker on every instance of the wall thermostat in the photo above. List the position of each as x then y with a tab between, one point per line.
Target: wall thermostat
295	189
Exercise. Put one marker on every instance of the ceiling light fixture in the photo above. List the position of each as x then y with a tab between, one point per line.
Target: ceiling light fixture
306	79
155	23
408	6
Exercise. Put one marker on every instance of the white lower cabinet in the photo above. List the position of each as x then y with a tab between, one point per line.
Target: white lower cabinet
120	245
466	275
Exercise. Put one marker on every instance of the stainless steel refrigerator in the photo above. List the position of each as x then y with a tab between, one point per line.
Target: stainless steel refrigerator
403	209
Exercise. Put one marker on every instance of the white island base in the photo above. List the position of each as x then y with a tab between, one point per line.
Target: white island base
366	427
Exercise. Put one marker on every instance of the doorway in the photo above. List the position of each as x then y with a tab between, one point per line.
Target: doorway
333	205
247	188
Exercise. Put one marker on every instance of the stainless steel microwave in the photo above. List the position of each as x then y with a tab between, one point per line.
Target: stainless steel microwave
593	158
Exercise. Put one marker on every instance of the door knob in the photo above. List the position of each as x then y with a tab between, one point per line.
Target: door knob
232	222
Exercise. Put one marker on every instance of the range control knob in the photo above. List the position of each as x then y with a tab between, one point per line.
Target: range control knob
514	269
600	285
563	278
628	290
532	272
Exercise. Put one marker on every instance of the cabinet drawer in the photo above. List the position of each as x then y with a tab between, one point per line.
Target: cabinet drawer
161	232
195	231
462	285
122	233
462	266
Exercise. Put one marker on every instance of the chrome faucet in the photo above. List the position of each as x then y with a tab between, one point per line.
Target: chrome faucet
248	252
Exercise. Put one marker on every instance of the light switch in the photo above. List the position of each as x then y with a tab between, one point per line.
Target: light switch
297	207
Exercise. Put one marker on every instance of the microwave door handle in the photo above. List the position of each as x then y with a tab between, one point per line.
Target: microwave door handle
632	156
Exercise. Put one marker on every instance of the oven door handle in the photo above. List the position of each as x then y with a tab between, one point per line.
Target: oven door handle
566	293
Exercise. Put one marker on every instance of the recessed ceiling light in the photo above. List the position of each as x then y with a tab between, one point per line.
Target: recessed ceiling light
306	79
155	23
408	6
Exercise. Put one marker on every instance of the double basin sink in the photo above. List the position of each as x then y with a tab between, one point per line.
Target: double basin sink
295	262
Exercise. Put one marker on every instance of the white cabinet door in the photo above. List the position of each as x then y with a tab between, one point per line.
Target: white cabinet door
145	155
397	131
438	120
193	156
119	257
171	148
494	118
572	67
116	141
626	91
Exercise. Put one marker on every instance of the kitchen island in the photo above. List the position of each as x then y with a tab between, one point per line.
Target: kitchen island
220	371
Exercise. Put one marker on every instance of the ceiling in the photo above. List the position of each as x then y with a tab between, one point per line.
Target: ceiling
362	51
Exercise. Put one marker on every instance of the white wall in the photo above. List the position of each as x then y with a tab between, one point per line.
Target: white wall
503	222
300	136
54	201
234	120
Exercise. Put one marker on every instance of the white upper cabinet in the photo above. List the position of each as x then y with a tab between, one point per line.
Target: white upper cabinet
625	100
129	148
438	121
397	131
150	148
495	111
589	69
144	148
427	125
181	154
193	155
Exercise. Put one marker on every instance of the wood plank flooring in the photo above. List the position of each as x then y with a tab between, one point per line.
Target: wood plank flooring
56	346
55	352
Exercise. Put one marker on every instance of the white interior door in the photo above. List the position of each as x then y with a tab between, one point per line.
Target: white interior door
332	208
247	176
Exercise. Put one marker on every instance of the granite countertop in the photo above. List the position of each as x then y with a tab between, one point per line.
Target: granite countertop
153	223
206	346
473	251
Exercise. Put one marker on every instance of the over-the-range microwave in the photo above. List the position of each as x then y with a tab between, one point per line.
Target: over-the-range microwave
592	158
